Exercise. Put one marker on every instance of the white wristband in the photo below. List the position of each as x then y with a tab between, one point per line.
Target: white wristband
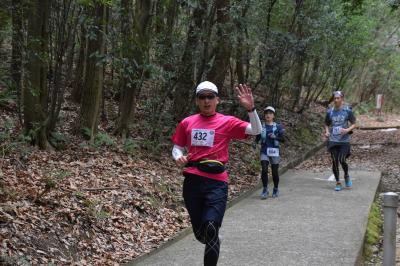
177	152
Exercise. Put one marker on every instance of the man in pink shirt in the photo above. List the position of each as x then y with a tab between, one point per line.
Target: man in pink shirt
205	137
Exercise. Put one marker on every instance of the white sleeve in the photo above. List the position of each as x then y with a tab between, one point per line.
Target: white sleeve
254	128
177	152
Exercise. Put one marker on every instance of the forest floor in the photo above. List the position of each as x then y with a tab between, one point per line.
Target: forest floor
109	202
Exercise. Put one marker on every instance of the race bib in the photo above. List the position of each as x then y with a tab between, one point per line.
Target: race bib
273	152
203	137
336	130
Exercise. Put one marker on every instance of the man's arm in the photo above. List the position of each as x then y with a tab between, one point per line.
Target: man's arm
352	120
327	133
254	128
281	134
326	125
350	128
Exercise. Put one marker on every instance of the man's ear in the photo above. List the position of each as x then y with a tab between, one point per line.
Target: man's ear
218	100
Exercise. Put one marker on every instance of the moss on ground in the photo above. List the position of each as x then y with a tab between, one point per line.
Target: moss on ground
374	228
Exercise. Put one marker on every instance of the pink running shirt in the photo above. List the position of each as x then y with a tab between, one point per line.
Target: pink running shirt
208	137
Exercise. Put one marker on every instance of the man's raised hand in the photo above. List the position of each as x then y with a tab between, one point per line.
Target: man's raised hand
245	96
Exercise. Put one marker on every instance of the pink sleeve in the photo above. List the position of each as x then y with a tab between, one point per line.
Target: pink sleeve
179	138
238	128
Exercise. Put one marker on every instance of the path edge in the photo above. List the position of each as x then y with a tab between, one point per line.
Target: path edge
360	256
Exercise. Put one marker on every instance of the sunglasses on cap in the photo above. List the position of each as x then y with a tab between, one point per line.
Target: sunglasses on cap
206	96
269	112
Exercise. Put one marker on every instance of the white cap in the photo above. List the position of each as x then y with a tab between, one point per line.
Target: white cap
269	108
206	86
338	93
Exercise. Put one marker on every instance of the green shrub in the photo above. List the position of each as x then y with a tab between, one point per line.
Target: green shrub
130	146
58	140
10	144
103	139
7	97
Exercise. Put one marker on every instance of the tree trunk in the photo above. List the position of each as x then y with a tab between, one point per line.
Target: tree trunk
71	50
223	47
311	90
240	49
135	30
205	37
186	83
62	38
16	43
300	56
35	89
80	69
105	85
239	62
298	81
16	53
91	94
172	12
126	76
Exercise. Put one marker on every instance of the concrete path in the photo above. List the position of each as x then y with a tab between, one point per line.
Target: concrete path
309	224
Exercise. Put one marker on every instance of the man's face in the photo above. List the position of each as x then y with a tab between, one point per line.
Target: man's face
207	102
338	100
269	116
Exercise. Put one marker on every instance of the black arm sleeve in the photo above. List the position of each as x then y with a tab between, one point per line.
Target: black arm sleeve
258	138
328	120
352	118
280	135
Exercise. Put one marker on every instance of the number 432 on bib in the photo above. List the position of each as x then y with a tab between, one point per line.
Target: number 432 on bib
203	137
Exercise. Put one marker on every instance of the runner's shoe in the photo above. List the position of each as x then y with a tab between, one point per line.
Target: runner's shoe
338	186
348	182
264	193
275	192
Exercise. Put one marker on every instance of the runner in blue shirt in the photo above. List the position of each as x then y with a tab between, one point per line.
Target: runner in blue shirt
339	124
271	135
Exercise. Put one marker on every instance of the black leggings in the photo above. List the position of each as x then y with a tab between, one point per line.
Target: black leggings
208	234
339	155
205	199
264	173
